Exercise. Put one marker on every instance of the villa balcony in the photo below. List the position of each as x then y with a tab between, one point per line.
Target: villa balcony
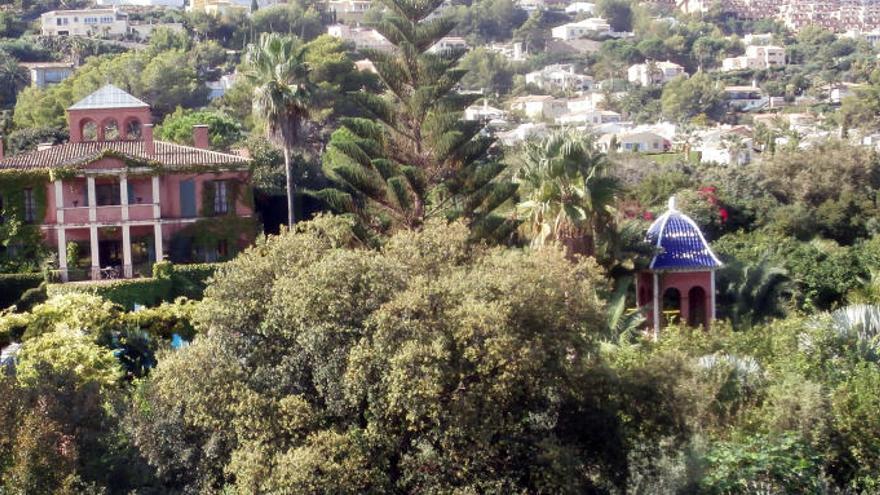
109	214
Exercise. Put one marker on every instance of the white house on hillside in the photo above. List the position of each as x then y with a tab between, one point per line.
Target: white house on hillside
594	26
361	37
484	112
590	117
636	142
757	57
448	44
87	22
727	146
539	107
560	77
575	8
652	73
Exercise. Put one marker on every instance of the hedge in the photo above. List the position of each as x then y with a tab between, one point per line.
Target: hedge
14	285
126	292
169	282
189	280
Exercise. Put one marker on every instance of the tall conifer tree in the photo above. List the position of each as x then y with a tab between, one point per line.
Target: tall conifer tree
413	157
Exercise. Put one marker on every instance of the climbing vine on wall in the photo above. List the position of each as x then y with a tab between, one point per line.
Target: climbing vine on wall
21	245
206	234
236	192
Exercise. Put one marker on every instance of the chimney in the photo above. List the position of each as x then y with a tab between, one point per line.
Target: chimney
200	137
44	146
149	145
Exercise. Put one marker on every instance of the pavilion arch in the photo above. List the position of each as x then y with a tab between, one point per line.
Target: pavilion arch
110	127
133	129
696	316
671	301
88	130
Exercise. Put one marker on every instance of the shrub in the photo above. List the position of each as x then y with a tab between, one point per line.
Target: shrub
126	293
14	285
32	297
191	280
165	320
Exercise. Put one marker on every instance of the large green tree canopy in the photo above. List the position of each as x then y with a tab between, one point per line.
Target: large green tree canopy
431	364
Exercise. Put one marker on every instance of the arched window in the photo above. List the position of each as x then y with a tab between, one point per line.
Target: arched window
111	130
696	307
671	305
89	130
133	129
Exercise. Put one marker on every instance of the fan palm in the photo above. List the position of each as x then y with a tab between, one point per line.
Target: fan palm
276	67
751	293
567	197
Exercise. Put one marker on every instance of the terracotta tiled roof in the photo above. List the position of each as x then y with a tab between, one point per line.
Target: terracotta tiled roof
167	154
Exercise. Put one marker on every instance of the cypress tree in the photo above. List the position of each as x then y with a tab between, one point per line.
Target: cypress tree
412	157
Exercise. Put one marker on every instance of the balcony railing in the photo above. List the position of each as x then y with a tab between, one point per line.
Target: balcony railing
109	214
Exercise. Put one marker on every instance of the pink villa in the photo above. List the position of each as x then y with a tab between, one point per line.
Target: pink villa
680	281
117	200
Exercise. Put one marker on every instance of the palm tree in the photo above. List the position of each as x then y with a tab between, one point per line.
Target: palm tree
567	197
277	69
751	293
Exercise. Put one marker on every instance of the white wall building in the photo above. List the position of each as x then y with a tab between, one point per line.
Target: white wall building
560	77
349	10
449	44
651	73
575	8
757	57
594	26
589	117
531	5
361	37
47	73
512	51
635	142
727	146
523	132
539	107
484	112
87	22
218	88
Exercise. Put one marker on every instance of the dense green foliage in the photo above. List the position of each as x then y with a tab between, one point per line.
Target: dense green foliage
14	285
223	130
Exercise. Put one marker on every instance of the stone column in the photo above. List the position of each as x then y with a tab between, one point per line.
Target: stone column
157	209
123	196
96	263
127	271
157	233
711	299
59	202
93	212
62	253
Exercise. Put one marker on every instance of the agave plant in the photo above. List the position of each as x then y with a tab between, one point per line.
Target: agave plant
859	323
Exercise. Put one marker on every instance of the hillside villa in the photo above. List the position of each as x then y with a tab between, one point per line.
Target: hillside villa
124	199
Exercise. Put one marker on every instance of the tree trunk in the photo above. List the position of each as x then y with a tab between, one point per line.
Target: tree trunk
291	189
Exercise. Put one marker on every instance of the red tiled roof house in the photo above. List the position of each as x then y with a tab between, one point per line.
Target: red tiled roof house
117	200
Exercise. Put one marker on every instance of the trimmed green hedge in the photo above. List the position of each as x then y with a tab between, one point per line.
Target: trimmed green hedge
168	283
14	285
126	293
191	280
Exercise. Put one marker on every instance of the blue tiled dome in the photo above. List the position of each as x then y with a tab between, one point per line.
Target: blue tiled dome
680	244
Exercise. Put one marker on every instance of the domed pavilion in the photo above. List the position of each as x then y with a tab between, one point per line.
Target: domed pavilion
679	283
